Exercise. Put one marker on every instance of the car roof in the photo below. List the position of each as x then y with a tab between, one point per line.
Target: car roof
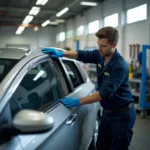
18	53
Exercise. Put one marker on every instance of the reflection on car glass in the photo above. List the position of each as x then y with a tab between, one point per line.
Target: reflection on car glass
34	78
5	66
37	91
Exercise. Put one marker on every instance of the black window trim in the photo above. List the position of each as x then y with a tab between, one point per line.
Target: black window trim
68	78
64	73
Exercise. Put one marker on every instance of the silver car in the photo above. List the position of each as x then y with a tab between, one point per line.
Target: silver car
31	114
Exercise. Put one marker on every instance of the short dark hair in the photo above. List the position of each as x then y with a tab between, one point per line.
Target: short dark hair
110	33
67	48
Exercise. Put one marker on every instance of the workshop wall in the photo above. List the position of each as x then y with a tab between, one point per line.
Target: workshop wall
116	6
92	15
69	26
43	37
78	21
138	32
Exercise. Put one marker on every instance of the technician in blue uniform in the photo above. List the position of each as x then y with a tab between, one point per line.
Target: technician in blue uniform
115	129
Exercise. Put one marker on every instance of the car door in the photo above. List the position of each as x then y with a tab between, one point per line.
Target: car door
7	143
37	87
93	111
86	114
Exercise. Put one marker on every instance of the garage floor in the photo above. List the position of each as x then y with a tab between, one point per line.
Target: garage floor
141	137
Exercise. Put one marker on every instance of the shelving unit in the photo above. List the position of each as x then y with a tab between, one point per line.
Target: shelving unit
136	89
140	88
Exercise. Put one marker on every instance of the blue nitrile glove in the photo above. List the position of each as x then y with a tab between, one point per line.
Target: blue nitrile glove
54	52
71	102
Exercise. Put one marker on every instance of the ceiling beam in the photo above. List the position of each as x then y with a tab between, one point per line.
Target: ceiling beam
19	19
23	9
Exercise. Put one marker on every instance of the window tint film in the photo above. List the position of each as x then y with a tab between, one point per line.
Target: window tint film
37	91
5	66
73	73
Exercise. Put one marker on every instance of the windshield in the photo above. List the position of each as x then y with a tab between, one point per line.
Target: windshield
5	66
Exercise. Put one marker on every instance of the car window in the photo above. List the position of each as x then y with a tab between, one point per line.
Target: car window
37	91
73	73
5	66
62	77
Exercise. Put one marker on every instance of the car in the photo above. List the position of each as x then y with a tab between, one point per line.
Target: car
31	113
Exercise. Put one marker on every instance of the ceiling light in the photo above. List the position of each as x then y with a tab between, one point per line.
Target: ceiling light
45	23
53	23
60	20
62	12
36	28
88	3
41	2
20	30
27	19
34	11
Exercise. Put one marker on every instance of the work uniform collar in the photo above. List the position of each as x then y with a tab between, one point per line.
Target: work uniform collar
114	58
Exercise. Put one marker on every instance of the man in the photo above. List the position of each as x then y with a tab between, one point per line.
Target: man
118	118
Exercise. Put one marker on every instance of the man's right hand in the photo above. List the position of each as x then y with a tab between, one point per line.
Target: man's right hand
53	52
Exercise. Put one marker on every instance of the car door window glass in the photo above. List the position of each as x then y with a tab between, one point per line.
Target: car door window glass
37	91
5	66
73	73
61	77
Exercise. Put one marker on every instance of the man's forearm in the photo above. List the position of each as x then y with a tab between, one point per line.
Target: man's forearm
95	97
71	54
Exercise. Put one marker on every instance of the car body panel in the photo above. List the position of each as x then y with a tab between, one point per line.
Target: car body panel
13	144
63	136
61	132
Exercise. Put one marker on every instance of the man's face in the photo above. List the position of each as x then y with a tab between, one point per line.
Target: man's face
104	47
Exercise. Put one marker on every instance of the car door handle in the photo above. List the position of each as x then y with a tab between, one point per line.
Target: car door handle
71	119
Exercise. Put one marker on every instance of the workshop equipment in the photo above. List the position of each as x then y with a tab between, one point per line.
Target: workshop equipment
140	85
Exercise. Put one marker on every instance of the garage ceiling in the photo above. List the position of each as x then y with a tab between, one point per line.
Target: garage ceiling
13	12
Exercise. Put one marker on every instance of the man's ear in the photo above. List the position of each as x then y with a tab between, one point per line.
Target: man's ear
114	45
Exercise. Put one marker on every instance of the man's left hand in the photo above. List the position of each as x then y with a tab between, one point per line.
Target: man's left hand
71	102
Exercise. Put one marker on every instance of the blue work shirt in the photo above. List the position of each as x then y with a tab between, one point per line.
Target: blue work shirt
112	79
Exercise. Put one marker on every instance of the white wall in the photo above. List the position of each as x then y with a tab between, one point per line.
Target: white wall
43	37
70	26
138	32
115	6
135	33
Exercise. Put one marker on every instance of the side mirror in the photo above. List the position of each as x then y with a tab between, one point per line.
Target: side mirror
31	121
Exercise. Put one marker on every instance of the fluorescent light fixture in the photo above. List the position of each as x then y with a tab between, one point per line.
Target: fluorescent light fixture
45	23
27	19
20	30
36	28
88	3
53	23
41	2
38	75
34	11
60	20
62	12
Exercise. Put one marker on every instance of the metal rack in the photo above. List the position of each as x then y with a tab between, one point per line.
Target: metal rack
140	88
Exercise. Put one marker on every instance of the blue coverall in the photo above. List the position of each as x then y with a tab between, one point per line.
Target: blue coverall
115	129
